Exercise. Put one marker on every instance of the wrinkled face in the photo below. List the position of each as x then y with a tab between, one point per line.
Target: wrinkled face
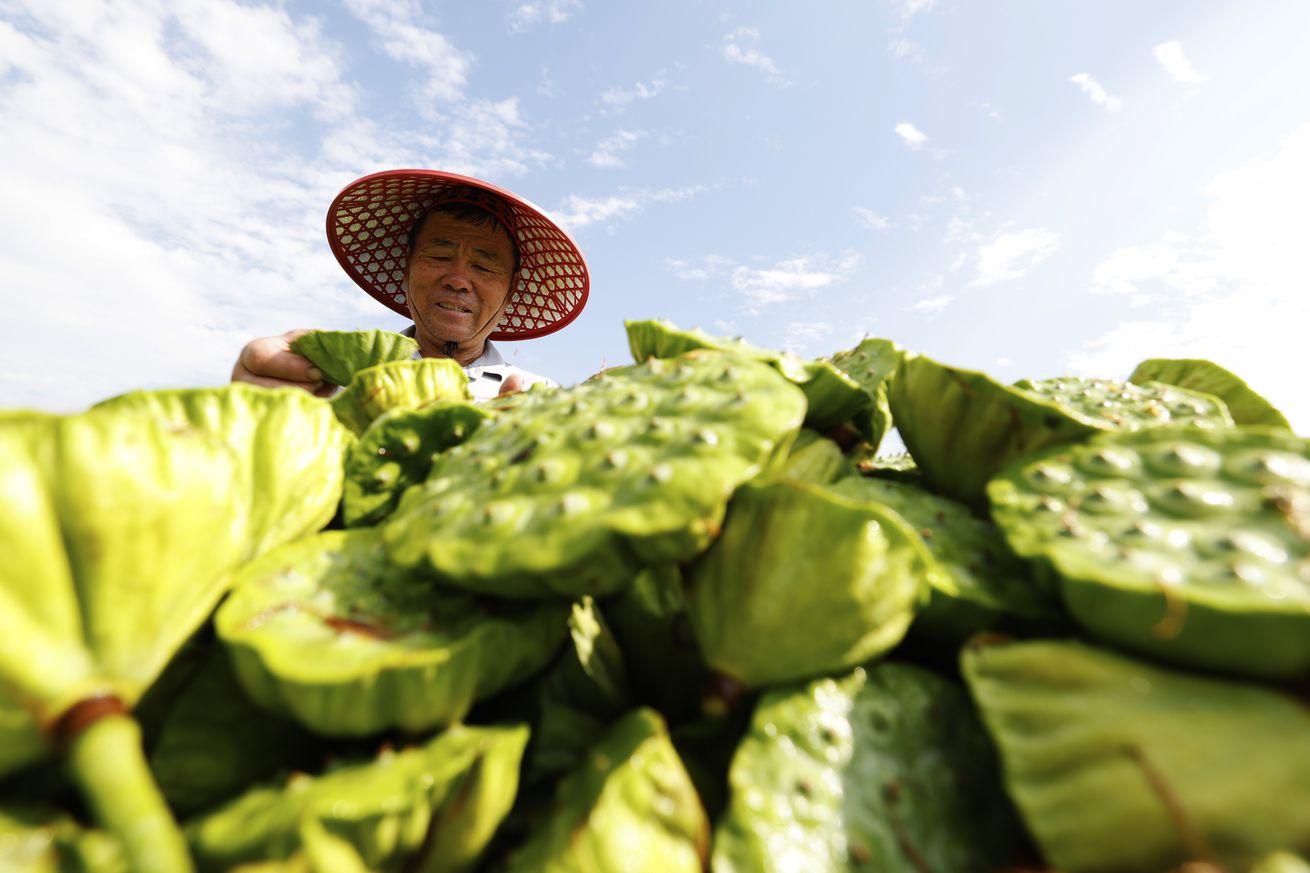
459	280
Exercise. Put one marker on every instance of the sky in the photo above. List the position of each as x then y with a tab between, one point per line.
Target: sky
1031	189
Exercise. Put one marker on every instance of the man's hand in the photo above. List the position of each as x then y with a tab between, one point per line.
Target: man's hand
513	384
269	361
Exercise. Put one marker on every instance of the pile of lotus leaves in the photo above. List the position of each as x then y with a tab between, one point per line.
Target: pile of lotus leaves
683	616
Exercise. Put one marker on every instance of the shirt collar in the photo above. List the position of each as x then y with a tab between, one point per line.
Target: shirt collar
490	356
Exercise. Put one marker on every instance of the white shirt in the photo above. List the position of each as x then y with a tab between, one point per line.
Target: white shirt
489	371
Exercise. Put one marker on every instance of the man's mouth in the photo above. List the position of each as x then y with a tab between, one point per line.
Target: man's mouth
453	307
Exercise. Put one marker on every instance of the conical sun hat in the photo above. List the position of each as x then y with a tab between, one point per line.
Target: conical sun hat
368	227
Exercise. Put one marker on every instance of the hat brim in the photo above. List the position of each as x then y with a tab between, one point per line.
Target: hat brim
368	227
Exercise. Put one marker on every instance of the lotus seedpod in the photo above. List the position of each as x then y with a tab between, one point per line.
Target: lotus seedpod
41	840
406	810
1281	862
794	557
660	651
886	768
214	742
572	491
399	385
833	398
1247	407
872	364
1188	545
580	696
629	806
1120	765
982	584
118	534
326	631
816	459
289	440
962	427
340	354
397	451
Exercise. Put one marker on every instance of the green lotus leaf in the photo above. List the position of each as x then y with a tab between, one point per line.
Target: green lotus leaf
1187	545
630	806
290	442
40	840
399	385
983	583
572	491
962	427
816	459
428	808
1120	765
794	557
832	397
884	769
397	451
1246	406
340	354
327	631
654	632
119	532
214	742
872	364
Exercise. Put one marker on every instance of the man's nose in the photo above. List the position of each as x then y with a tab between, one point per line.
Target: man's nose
459	275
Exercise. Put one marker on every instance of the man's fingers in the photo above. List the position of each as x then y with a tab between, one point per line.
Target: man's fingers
267	382
512	385
271	357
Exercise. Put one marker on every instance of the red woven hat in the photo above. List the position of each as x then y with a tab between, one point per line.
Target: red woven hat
368	228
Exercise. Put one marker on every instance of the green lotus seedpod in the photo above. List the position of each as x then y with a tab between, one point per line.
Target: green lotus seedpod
898	467
397	451
962	427
580	696
399	385
1281	862
326	631
430	808
340	354
872	364
572	491
629	807
1247	407
39	840
660	651
1191	546
794	558
982	584
118	533
1119	765
816	459
214	742
886	768
289	440
832	397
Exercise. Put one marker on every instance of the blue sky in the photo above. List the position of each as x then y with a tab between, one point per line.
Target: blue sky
1027	188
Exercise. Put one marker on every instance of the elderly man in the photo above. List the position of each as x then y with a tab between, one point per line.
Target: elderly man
468	262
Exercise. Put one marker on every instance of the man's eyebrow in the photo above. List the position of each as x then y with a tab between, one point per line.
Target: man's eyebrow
450	244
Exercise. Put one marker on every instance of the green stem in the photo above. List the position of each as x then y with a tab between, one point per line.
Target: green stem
108	762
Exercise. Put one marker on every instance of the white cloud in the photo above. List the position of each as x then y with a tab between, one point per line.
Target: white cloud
739	47
609	150
793	278
911	135
1175	63
619	97
578	212
405	40
931	304
1235	294
1095	92
528	15
907	9
871	220
903	48
1010	254
802	335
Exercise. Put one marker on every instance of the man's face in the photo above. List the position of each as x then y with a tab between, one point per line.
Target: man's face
459	280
